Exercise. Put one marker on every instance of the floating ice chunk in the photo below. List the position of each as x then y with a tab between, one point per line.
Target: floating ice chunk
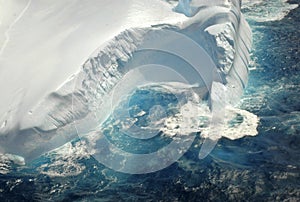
140	35
19	160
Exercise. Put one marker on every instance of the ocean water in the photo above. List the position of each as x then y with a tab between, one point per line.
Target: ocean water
265	167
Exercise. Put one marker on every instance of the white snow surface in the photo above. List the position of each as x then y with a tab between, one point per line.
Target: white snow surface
45	42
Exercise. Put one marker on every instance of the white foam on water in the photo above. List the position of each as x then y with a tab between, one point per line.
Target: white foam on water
267	10
195	116
199	117
64	160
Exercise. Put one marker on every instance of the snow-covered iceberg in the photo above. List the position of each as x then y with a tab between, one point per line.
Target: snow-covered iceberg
65	65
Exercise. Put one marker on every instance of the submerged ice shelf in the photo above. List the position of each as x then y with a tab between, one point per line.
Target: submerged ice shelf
192	44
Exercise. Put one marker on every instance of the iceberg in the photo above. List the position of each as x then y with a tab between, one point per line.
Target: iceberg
66	65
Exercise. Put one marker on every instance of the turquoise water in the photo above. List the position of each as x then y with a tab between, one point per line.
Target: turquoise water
261	168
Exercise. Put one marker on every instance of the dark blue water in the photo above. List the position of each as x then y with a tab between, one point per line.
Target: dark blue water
261	168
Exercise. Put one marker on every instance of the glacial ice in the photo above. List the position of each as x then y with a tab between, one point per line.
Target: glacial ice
201	43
